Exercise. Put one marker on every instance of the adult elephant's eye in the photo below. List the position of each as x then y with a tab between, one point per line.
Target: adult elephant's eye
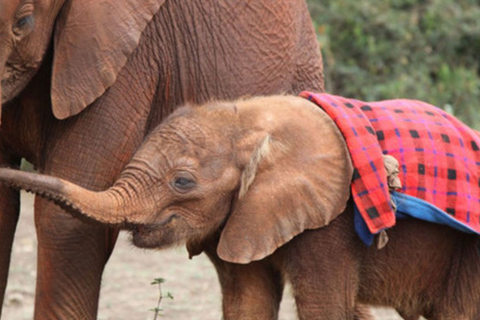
24	22
23	26
28	20
183	184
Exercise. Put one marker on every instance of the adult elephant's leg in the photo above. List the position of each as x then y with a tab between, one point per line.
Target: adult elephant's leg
249	292
71	259
71	254
9	213
91	150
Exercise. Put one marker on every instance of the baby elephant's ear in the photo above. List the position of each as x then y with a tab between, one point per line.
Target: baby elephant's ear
298	178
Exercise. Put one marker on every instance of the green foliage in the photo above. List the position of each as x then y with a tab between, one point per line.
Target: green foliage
419	49
157	281
27	166
157	310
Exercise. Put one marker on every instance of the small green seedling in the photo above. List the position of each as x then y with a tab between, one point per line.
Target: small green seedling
157	309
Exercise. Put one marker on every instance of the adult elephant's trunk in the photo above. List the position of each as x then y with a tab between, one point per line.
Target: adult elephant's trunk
109	207
1	94
1	85
4	53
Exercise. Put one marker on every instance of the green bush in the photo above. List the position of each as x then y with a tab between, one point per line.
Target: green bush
419	49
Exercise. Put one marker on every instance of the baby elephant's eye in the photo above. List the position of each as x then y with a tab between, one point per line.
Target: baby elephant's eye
183	184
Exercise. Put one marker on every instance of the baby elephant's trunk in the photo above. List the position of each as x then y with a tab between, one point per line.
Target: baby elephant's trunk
106	207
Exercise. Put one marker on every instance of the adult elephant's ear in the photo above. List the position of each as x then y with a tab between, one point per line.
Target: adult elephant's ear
93	40
297	178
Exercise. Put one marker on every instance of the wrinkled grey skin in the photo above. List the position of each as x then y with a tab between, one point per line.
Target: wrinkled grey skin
188	51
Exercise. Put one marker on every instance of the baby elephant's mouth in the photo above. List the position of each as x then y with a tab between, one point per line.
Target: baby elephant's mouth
159	235
150	227
143	236
143	229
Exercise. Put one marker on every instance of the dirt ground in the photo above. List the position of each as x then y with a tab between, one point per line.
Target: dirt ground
126	290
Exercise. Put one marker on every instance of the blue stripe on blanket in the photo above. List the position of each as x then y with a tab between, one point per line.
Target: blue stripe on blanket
410	207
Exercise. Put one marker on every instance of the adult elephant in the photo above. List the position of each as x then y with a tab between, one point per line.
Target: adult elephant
84	81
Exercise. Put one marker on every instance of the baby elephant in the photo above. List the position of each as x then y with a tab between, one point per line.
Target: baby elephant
263	186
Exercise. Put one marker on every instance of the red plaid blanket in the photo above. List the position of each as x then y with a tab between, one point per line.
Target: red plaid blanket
439	156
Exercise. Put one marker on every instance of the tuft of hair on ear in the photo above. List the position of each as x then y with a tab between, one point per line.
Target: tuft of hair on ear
260	154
